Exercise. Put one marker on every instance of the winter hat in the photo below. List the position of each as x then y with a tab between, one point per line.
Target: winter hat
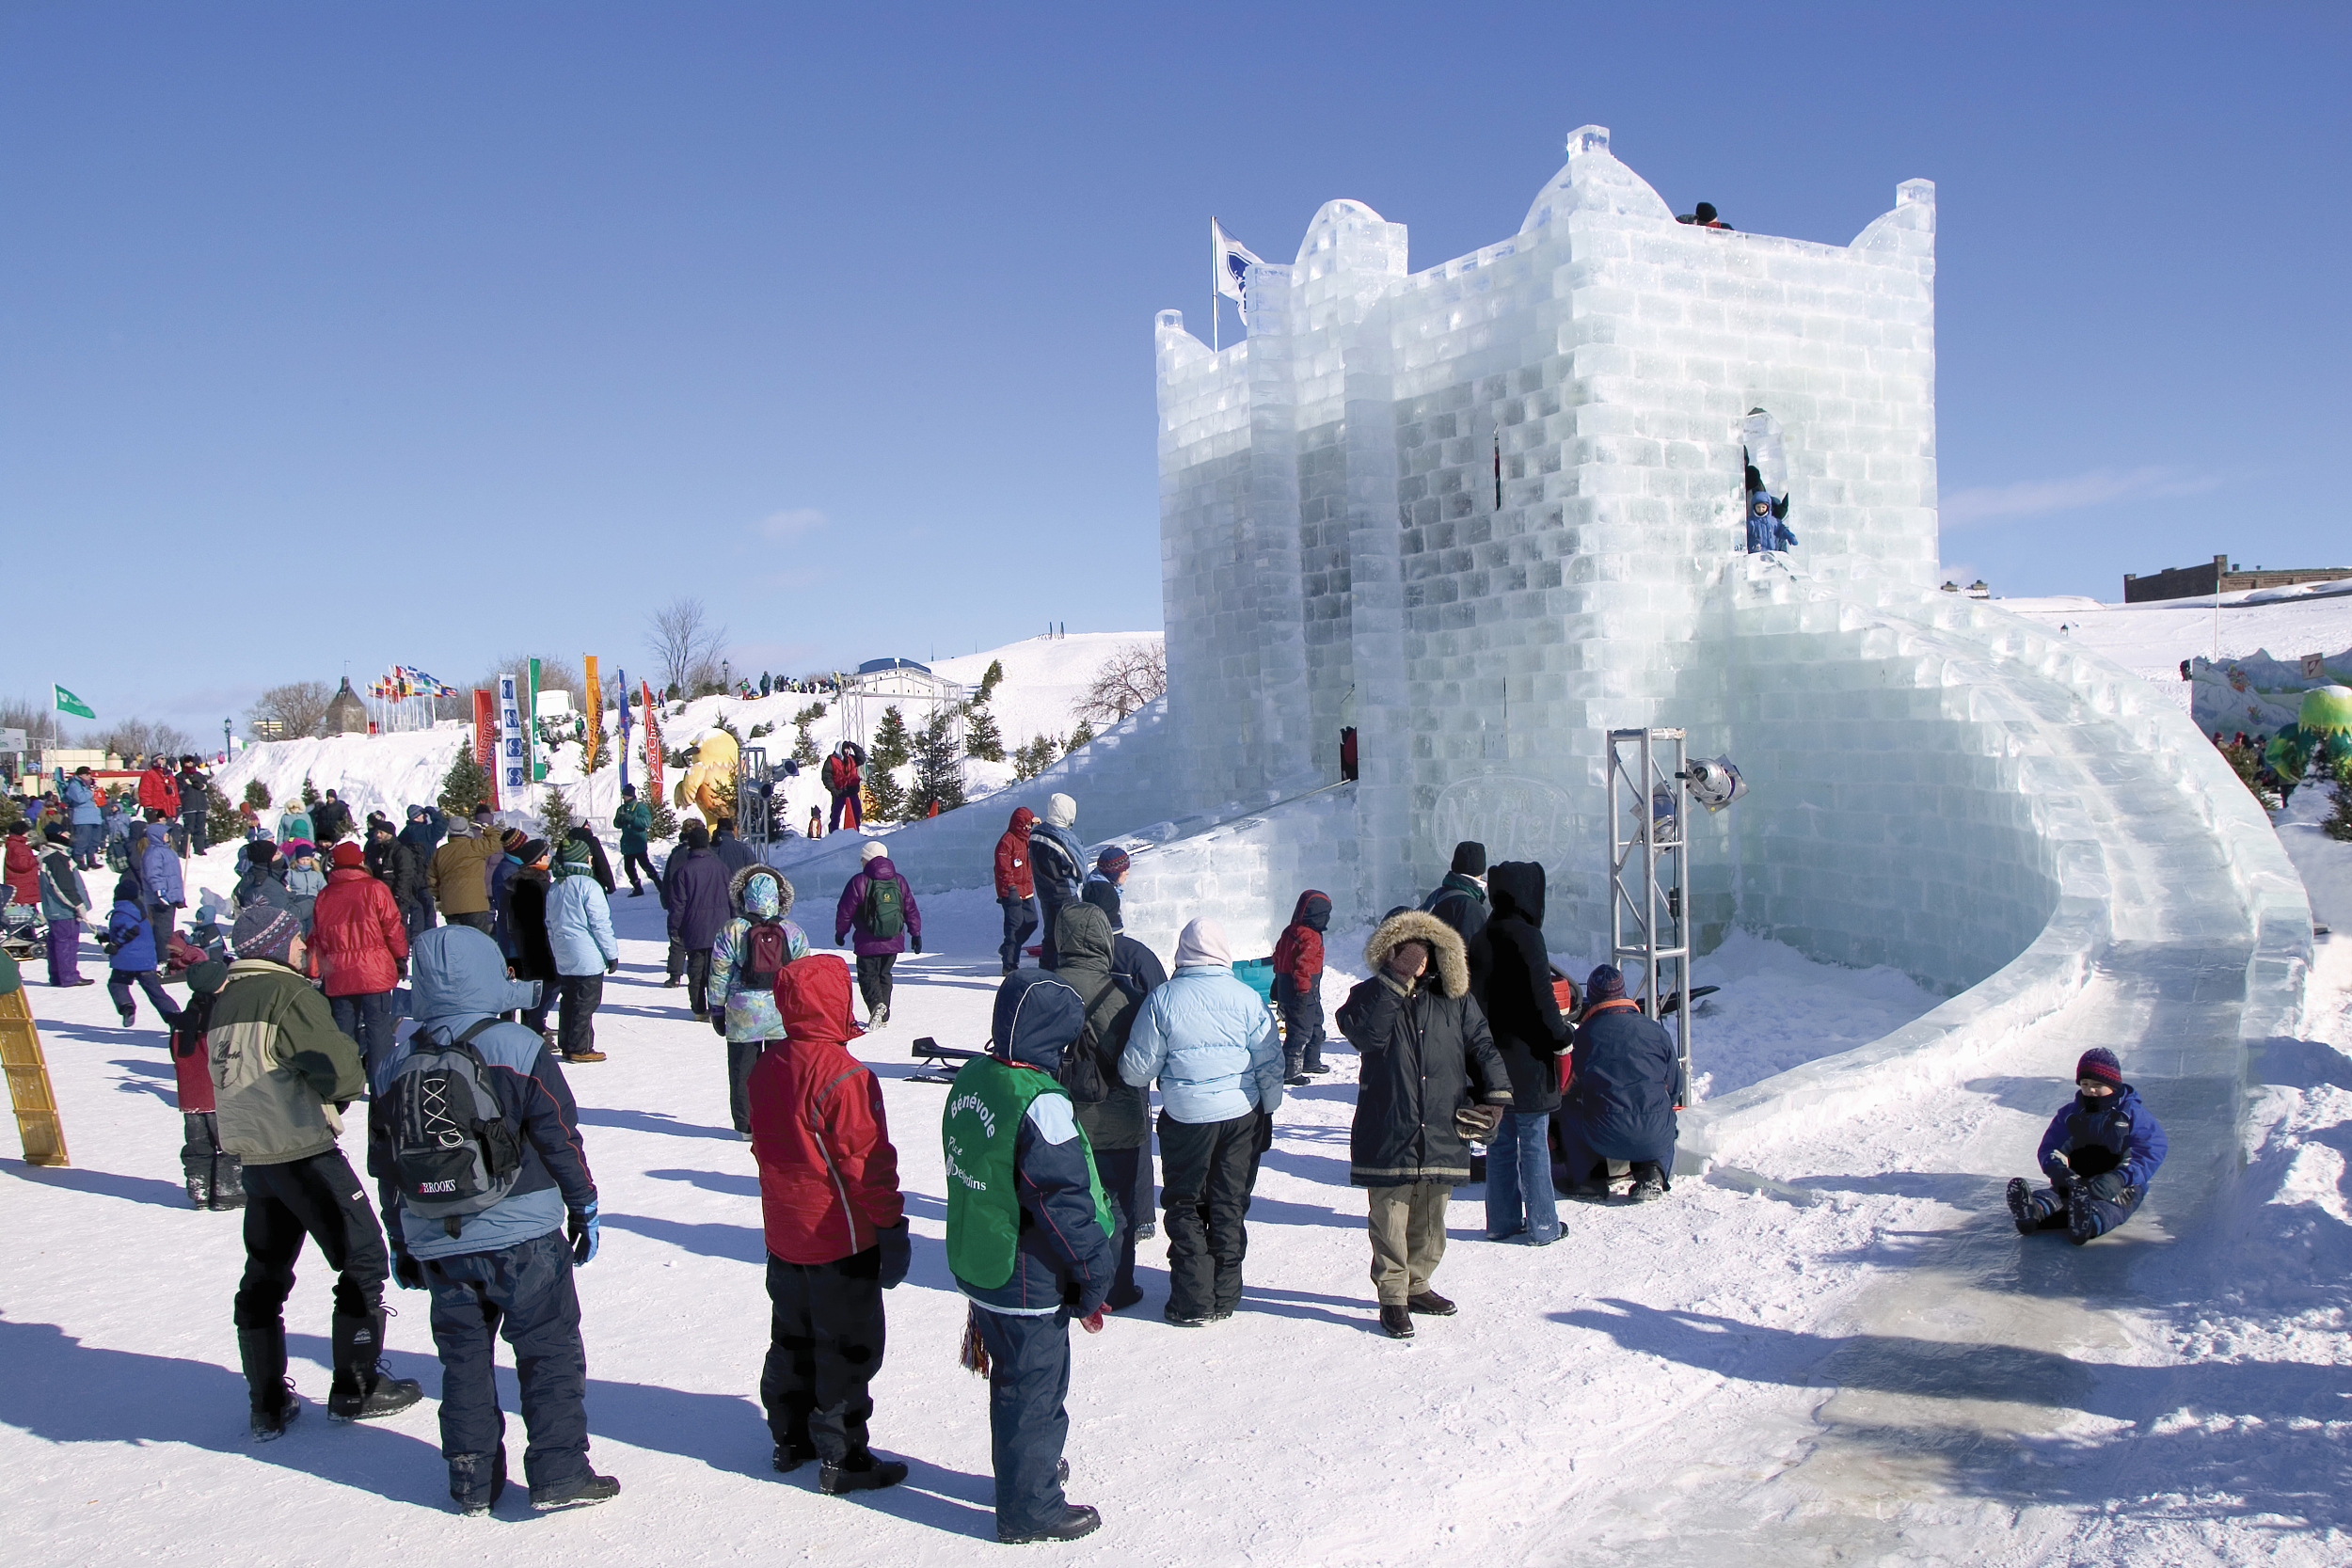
629	792
871	851
1202	942
1470	857
345	857
263	931
576	850
416	813
1113	862
56	834
2099	1062
694	835
534	851
1061	811
513	840
260	852
1604	985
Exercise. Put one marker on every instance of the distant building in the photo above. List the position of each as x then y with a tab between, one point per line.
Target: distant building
345	713
2219	577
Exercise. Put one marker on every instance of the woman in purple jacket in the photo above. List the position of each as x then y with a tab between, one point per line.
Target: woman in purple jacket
879	907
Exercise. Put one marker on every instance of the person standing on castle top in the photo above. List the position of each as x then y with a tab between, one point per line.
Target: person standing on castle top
1703	215
842	781
1460	900
1056	866
2100	1153
1016	889
877	906
1768	531
1104	883
635	822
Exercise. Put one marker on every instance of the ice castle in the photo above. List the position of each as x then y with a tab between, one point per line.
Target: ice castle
1487	511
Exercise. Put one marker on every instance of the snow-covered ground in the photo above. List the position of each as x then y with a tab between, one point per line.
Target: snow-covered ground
2151	640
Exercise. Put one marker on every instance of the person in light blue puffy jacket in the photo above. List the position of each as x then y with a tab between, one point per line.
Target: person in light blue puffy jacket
580	936
159	872
1210	1040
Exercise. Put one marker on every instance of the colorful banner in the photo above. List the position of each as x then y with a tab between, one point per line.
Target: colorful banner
653	750
620	684
513	769
485	737
596	718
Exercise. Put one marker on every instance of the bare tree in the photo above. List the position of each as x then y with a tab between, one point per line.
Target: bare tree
685	643
1135	677
135	737
299	707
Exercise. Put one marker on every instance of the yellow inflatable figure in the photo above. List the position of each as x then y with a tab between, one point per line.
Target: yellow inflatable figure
709	784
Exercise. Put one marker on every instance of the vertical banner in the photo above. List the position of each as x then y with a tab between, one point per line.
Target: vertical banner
653	750
486	737
596	718
513	769
620	686
530	727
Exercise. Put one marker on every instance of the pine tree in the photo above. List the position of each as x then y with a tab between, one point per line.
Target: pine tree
466	786
555	816
309	793
981	737
1079	737
989	681
664	822
891	748
804	747
257	793
1036	756
222	824
938	771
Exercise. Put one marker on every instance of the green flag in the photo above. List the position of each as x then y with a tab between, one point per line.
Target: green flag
68	702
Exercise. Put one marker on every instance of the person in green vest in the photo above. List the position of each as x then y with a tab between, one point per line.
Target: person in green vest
1029	1243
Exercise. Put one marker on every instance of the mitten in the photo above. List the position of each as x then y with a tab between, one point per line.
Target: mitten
897	1254
585	1233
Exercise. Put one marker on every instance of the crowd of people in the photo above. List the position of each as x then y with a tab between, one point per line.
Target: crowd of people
1464	1031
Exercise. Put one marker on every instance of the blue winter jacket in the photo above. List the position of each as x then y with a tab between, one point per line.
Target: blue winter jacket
2115	1133
458	978
580	923
131	936
1057	862
1210	1042
1623	1093
159	868
1061	1257
424	834
83	798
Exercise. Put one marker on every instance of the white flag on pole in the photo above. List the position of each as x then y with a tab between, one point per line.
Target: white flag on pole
1231	260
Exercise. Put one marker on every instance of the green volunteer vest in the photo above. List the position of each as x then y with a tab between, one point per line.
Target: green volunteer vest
984	1110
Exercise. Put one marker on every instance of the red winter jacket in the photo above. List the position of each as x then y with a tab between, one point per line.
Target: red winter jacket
158	793
841	775
356	934
1014	879
1299	952
24	870
828	1175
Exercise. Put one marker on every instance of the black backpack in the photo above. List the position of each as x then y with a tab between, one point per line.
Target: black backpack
763	950
453	1151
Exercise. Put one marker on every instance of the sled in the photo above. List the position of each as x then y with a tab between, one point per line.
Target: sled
36	1102
939	1061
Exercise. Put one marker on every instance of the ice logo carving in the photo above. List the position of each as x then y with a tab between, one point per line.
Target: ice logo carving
1516	819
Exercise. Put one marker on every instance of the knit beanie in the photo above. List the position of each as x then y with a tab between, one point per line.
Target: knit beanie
260	852
2099	1062
532	851
1470	857
1604	985
1061	811
1202	942
694	835
347	857
1112	862
263	931
870	852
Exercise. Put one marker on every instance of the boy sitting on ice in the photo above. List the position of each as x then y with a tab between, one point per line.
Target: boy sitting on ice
2100	1153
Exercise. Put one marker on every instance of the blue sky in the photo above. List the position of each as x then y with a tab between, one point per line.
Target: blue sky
339	334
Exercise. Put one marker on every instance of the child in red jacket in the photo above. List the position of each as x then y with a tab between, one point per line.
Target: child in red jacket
835	1225
1298	986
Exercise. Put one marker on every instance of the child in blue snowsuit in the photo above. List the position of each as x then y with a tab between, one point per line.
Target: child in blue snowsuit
2100	1153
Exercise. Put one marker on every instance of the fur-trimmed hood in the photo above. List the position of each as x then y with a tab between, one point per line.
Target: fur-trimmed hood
1452	962
784	891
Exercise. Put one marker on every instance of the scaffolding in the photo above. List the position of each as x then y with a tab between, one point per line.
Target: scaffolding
1649	874
755	799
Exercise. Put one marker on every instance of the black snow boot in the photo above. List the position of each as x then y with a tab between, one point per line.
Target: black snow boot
200	1190
1396	1322
364	1390
588	1490
859	1473
790	1457
1075	1522
271	1395
228	1181
2022	1207
476	1480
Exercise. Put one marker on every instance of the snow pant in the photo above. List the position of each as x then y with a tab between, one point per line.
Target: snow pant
65	952
367	1017
1519	1178
416	916
89	838
1584	1163
1049	956
1302	1026
1206	1172
119	987
524	1292
319	1198
631	861
743	1056
1028	1415
160	916
193	836
579	995
1407	1227
824	1346
846	805
481	920
2048	1208
694	964
1116	1168
873	979
1020	921
210	1171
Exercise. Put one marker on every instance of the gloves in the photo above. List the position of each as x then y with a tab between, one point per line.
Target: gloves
408	1272
897	1254
585	1233
1478	1123
841	939
2109	1186
918	941
719	1022
613	968
399	967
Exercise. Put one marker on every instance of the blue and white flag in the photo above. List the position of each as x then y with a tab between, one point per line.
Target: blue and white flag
1232	261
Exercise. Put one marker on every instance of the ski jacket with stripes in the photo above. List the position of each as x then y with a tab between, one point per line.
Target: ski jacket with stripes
828	1172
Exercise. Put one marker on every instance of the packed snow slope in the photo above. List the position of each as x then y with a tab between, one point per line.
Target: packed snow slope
2151	640
1791	1375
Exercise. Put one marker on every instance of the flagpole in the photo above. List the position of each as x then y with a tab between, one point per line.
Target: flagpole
1216	344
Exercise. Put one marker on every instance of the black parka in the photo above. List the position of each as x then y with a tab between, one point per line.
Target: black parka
1508	956
1426	1053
